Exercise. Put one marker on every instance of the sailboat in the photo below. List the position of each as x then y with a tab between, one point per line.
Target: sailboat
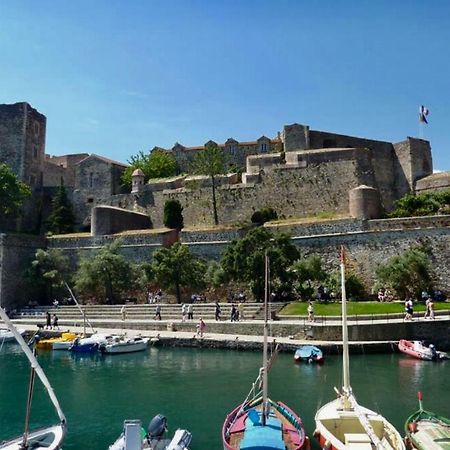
49	438
426	430
259	422
343	424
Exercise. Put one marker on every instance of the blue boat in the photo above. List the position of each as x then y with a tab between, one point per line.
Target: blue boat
309	353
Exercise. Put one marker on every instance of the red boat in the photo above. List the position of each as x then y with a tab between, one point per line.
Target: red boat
418	350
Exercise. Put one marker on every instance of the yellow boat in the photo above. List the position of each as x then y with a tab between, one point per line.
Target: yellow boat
48	343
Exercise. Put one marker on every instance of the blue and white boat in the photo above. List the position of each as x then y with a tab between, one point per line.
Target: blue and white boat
90	344
309	353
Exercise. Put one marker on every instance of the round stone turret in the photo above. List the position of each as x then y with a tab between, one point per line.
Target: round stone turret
137	181
364	203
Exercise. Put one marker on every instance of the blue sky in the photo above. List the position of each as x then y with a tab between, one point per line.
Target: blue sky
115	77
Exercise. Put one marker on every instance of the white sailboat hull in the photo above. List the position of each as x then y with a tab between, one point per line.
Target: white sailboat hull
339	429
127	346
44	439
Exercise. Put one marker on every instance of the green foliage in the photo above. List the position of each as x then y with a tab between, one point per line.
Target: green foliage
106	275
48	271
408	274
62	218
354	287
422	204
215	275
308	275
243	260
173	214
175	267
264	215
211	161
12	191
158	163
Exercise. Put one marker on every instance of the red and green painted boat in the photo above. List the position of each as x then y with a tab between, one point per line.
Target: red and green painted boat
426	430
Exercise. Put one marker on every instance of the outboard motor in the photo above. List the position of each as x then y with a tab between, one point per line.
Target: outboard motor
157	427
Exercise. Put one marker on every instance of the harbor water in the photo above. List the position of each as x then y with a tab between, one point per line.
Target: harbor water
196	388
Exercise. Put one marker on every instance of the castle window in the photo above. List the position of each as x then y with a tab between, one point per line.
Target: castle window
264	147
329	143
91	179
90	200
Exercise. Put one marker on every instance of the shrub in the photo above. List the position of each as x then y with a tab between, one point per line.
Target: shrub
264	215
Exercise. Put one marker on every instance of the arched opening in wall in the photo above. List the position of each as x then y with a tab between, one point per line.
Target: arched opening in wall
329	143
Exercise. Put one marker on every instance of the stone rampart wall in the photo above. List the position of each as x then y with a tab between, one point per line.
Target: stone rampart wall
16	254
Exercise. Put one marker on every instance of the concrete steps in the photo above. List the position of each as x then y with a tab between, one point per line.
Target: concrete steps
137	312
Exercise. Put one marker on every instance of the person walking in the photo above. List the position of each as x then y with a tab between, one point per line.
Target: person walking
217	311
240	311
123	313
158	312
409	309
429	313
190	312
201	327
183	312
310	312
55	322
48	321
233	313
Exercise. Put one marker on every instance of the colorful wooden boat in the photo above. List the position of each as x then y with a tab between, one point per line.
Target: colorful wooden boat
309	353
418	350
426	430
343	424
259	422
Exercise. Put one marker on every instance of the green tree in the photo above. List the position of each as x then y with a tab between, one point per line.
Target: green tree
211	161
62	218
417	205
408	274
173	214
12	191
106	275
243	260
158	163
48	271
308	275
354	286
175	267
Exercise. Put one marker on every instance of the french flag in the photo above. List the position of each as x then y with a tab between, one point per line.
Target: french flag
423	113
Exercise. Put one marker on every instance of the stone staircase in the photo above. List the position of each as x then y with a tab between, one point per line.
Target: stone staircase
169	312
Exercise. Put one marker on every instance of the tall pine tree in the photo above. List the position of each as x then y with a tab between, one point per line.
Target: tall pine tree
62	217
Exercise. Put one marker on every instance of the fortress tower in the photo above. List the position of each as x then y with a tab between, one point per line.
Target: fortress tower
22	142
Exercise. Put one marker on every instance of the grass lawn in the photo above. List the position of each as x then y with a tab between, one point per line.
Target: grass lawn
355	308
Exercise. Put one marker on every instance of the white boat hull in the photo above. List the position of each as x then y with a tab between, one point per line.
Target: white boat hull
339	429
50	439
125	346
6	335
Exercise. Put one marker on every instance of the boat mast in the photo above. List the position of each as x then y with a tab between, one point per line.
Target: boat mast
34	364
26	431
264	366
85	319
345	353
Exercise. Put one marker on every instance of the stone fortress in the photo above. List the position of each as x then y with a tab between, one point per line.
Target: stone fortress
300	173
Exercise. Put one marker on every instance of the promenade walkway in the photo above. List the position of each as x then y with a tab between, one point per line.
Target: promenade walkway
366	333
